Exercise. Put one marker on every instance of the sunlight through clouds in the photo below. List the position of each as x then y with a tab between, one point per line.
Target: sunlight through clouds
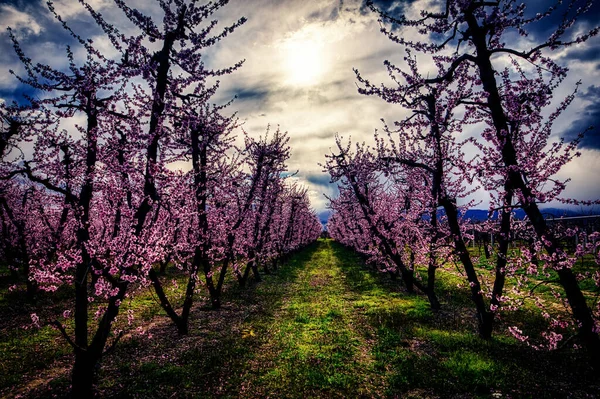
304	60
298	73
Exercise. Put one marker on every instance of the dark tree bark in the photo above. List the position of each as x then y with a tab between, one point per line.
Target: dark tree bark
579	307
484	318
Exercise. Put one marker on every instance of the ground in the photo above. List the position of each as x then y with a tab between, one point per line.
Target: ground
323	326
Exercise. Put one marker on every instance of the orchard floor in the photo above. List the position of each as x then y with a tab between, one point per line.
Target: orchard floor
323	326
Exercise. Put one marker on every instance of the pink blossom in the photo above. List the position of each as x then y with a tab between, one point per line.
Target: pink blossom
35	320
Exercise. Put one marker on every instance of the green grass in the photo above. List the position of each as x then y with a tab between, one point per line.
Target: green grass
323	326
317	347
24	349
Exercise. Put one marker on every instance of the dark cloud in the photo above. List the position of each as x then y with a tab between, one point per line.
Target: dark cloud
394	9
592	93
383	5
544	28
53	32
23	4
325	14
335	13
589	116
47	46
254	97
258	95
19	95
585	54
324	216
539	31
325	134
251	94
319	179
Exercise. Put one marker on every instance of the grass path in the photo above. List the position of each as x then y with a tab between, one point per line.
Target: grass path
323	326
342	330
317	346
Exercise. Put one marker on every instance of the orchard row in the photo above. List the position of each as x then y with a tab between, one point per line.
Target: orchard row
122	167
480	114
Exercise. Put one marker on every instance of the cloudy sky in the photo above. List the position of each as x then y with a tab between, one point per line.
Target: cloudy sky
298	73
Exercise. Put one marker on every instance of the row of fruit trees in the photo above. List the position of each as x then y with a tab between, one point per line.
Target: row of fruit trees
121	167
401	200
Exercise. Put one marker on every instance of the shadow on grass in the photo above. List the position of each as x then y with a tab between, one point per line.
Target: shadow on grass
414	352
212	360
427	354
166	364
24	348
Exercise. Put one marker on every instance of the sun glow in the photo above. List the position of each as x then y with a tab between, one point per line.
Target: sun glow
304	60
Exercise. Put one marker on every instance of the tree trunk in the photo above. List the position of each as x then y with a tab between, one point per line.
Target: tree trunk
408	277
215	301
243	277
266	269
83	375
433	300
484	318
503	243
180	322
163	267
486	248
581	311
31	287
215	290
255	273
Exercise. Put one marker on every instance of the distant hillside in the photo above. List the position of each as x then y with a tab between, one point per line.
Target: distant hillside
479	215
324	216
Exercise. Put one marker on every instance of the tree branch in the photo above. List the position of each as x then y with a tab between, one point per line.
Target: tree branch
408	162
450	73
62	330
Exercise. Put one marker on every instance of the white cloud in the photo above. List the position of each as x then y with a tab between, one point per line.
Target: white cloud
21	22
69	8
298	74
325	101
